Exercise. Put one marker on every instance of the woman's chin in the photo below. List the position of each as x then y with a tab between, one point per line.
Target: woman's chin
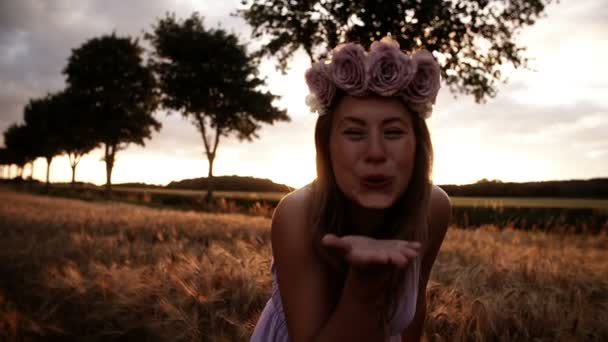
375	200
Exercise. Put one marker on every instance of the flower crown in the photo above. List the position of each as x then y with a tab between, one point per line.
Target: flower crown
385	71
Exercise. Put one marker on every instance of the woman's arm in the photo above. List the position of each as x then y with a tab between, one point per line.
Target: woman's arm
439	217
305	294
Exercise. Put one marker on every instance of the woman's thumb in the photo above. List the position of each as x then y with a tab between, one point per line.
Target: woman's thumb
332	241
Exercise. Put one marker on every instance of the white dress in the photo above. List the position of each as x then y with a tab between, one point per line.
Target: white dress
271	326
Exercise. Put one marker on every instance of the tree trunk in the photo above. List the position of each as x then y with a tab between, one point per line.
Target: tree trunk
48	170
73	175
32	170
210	179
74	160
209	151
109	166
109	158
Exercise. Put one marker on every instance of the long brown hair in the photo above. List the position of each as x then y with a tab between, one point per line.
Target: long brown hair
405	220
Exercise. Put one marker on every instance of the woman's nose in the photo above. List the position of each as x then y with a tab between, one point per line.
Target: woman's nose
376	152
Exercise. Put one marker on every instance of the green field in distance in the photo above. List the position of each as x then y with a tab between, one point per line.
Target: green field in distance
522	202
528	202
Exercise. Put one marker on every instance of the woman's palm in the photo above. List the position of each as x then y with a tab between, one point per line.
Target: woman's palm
363	252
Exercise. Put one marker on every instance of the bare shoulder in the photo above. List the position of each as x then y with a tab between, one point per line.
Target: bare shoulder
440	208
294	205
289	222
288	229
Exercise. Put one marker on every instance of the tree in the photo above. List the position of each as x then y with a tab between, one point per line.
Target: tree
5	161
116	92
474	38
76	130
210	78
17	139
41	118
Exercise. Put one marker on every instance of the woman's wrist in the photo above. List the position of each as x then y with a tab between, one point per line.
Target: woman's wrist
368	285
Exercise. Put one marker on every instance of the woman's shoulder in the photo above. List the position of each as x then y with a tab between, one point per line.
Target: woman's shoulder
291	214
295	203
439	201
440	210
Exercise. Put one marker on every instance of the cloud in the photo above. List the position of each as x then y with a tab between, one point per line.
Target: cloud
549	121
37	37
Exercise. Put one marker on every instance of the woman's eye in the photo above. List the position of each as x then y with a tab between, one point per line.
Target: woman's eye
394	133
352	134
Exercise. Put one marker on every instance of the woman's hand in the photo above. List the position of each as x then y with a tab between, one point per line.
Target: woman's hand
372	264
364	252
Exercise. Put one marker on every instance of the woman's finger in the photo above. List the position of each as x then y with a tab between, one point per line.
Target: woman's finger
408	252
414	244
394	257
409	244
332	241
398	259
406	249
366	257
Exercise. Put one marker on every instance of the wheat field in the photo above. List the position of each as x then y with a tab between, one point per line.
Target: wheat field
79	271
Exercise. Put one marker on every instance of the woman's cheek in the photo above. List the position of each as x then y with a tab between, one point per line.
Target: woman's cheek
349	152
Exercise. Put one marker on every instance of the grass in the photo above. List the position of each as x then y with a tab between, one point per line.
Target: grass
250	195
270	196
74	270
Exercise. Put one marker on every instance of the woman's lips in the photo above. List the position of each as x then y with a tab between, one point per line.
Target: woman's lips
376	182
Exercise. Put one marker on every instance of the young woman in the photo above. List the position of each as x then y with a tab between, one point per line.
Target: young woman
353	250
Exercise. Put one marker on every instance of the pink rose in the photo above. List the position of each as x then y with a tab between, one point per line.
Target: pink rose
390	70
348	69
320	84
426	82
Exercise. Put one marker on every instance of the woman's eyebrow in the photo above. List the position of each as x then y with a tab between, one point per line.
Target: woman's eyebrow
354	120
392	120
361	122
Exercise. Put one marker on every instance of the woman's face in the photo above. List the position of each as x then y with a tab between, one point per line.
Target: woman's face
372	149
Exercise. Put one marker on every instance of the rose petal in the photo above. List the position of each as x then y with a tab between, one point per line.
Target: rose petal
348	69
390	70
426	82
320	84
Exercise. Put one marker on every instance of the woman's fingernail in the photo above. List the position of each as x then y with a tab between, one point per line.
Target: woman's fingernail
327	238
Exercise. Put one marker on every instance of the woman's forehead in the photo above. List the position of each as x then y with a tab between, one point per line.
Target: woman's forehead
371	110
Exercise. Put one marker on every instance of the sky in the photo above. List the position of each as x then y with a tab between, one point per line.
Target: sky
548	122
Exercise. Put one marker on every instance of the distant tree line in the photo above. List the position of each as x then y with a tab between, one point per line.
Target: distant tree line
112	94
593	188
108	101
232	183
